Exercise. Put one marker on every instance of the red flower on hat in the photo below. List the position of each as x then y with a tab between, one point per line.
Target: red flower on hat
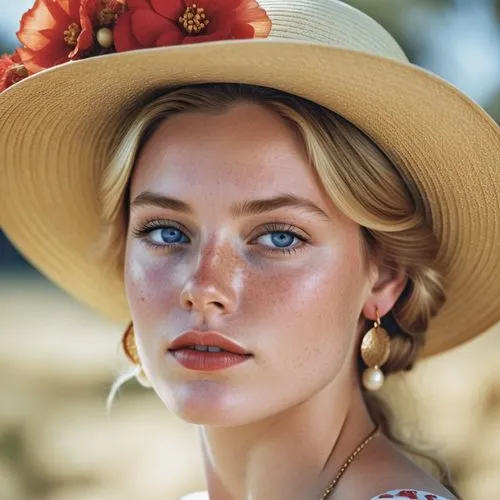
56	31
11	70
157	23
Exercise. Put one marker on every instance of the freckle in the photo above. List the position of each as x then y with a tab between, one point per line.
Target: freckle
233	267
142	299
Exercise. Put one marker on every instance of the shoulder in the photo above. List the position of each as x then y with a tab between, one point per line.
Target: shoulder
387	467
408	494
394	494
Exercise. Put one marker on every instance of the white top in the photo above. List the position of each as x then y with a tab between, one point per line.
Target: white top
394	494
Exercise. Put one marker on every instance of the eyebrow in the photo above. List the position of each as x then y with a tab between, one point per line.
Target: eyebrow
240	209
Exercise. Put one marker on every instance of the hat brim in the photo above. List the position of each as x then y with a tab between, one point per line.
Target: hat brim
58	127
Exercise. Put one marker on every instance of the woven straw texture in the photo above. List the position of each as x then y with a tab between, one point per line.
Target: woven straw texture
58	127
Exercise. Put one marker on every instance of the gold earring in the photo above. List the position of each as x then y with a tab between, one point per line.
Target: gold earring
375	350
130	349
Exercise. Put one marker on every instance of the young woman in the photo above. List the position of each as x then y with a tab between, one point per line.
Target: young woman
280	222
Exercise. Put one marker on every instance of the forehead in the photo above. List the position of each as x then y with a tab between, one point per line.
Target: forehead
243	151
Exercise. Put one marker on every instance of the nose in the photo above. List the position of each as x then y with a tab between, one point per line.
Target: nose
212	288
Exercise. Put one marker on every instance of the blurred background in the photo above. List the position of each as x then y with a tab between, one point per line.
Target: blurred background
58	359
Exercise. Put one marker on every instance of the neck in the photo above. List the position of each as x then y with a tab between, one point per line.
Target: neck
292	455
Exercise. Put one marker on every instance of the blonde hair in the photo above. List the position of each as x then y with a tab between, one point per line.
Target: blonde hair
359	177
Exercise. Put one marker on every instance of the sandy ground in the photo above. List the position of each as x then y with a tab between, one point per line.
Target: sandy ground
58	361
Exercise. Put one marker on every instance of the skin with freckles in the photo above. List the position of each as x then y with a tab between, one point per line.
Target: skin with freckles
230	230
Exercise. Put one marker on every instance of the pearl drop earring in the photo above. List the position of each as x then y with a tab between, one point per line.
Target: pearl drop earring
375	350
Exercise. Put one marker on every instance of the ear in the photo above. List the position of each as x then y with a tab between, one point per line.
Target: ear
387	287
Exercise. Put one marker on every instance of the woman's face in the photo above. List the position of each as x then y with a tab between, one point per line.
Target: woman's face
230	231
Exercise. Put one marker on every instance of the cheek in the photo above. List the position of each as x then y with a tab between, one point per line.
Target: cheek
149	285
309	307
304	323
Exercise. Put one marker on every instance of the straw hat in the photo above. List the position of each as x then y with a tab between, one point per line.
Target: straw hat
57	127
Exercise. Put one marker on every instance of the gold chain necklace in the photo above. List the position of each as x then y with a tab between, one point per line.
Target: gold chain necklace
346	464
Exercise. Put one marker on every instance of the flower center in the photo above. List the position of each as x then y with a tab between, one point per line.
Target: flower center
110	12
16	73
106	16
71	34
194	20
20	70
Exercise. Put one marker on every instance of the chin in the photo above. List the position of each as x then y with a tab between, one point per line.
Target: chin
211	403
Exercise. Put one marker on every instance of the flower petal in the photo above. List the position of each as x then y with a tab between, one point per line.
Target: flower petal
115	5
123	36
220	7
16	58
148	26
6	64
257	17
50	35
171	37
222	14
134	5
35	40
222	33
71	7
88	12
171	9
49	41
41	16
241	31
26	56
231	12
61	11
37	60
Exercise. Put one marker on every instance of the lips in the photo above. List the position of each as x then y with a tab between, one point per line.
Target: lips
210	340
207	351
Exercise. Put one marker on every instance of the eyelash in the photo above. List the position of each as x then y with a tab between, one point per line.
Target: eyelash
144	231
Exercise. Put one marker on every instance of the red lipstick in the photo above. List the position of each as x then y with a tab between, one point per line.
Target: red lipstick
206	351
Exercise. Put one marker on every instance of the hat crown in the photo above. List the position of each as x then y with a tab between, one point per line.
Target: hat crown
330	22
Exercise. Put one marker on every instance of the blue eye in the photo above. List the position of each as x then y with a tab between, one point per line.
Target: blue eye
276	238
168	235
280	239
